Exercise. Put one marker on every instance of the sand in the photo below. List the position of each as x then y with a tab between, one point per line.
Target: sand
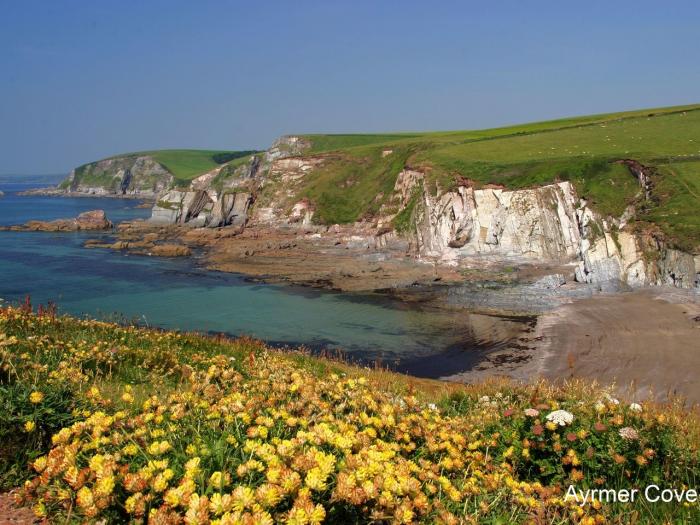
644	343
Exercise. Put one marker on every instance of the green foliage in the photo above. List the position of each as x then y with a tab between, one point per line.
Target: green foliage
223	158
346	187
26	428
147	421
582	150
404	221
187	164
323	143
676	193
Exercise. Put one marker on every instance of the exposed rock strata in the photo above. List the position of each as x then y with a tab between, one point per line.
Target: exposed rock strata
138	175
460	228
548	223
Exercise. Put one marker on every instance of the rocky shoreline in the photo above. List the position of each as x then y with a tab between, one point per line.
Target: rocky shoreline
148	197
94	220
538	252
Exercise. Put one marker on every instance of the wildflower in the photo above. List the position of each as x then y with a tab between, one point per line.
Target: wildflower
560	417
635	407
29	426
537	430
612	400
629	434
599	427
41	462
127	397
36	397
84	498
532	412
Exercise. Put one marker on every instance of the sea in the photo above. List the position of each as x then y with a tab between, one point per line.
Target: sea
180	294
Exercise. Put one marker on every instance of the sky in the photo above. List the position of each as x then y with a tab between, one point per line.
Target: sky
82	80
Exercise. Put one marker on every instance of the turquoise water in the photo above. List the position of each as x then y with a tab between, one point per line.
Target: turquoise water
176	293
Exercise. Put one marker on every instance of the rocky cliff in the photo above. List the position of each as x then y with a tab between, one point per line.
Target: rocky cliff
466	225
549	224
128	175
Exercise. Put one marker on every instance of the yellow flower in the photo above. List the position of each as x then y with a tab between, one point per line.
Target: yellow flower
36	397
29	426
84	498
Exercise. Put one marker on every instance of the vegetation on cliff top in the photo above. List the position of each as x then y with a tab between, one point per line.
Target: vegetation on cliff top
183	164
124	424
582	150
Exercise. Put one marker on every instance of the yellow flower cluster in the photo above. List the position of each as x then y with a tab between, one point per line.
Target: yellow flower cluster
254	437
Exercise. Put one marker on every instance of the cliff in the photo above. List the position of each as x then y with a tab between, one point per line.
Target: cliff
615	196
149	173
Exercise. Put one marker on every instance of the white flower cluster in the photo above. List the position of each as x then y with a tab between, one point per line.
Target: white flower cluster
560	417
629	434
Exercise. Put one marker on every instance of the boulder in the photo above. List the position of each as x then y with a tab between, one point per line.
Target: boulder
93	220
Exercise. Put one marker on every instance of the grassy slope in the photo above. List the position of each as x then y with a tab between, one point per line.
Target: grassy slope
184	164
578	149
131	398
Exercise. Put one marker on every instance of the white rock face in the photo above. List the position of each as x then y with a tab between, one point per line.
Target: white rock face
202	208
292	169
535	223
549	224
302	213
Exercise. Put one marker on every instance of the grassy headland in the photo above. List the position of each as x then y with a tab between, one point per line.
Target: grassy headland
119	423
582	150
183	164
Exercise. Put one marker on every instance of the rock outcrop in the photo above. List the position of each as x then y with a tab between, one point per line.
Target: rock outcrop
549	223
94	220
129	175
202	208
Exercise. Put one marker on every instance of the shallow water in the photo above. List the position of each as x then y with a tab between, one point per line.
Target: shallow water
175	293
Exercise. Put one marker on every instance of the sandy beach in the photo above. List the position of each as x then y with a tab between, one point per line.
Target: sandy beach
646	343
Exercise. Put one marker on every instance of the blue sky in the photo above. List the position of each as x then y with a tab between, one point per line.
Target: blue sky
82	80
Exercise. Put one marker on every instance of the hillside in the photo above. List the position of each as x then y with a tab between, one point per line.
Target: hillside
352	176
151	171
582	150
102	422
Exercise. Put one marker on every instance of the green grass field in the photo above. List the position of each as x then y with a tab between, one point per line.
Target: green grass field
186	164
580	149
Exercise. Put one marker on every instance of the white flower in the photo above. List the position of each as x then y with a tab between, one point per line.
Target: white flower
432	406
629	434
484	399
560	417
532	412
635	407
612	400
